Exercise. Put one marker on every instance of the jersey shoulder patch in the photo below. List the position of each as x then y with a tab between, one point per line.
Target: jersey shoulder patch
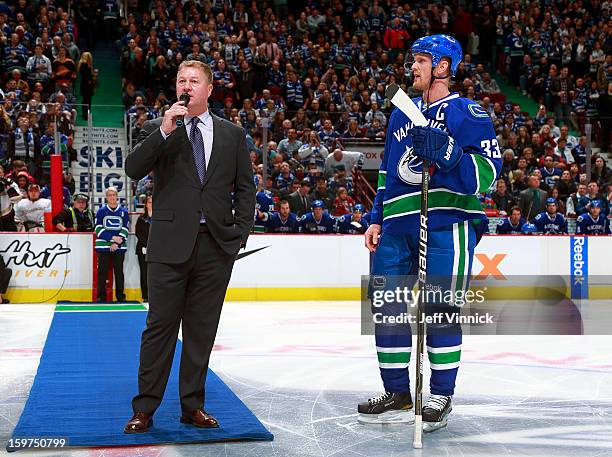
538	217
477	111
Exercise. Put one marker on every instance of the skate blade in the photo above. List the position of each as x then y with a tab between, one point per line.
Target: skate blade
388	417
429	427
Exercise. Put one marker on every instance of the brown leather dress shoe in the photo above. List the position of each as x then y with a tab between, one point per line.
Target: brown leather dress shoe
199	418
139	423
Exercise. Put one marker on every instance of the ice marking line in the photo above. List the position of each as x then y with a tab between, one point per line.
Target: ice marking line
331	418
288	430
535	358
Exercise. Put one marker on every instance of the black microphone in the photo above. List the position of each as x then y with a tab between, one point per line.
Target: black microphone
180	122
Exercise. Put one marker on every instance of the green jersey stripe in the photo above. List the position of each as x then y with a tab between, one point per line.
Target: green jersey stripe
438	199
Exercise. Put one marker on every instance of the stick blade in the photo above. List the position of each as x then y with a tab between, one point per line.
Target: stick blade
391	90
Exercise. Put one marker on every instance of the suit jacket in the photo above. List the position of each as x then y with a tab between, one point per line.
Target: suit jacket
179	197
297	205
528	208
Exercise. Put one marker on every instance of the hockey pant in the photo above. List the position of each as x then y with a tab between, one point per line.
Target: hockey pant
449	263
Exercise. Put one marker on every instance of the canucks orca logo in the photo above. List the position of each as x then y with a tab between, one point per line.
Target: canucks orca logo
409	168
477	110
112	222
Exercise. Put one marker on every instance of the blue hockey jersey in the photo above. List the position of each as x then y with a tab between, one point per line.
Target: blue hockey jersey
308	224
550	225
551	176
505	227
586	225
453	194
275	223
109	223
265	204
346	225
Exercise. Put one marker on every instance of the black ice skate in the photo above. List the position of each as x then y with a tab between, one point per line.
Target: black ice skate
388	408
436	411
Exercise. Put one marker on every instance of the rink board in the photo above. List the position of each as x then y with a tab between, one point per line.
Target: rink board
52	267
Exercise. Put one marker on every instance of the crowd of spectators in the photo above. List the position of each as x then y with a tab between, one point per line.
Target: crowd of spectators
318	70
39	65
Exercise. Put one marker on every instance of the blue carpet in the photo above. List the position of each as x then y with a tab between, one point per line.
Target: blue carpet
88	375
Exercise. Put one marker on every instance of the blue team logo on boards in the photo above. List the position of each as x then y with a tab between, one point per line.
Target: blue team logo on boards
409	168
579	266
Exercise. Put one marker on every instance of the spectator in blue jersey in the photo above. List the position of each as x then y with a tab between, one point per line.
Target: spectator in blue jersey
112	226
511	225
313	151
284	178
550	222
282	221
328	134
593	222
550	174
318	221
353	224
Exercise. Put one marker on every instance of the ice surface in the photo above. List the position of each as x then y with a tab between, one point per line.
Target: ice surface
302	367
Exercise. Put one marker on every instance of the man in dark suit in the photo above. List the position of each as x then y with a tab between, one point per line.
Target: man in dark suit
532	201
193	240
300	200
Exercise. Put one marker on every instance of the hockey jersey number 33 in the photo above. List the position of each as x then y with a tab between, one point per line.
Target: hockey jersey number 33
452	194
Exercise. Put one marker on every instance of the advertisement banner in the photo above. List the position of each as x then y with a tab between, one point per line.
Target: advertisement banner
108	159
48	267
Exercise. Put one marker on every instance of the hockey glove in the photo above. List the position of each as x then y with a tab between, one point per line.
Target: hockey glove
436	146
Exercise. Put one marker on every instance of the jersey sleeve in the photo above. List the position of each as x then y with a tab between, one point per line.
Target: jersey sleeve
125	230
538	221
563	225
579	225
499	229
376	216
480	165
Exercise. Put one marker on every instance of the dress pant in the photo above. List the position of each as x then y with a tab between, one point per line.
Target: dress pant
142	263
104	257
191	293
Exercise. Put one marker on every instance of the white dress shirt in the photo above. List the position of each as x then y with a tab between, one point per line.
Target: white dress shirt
206	128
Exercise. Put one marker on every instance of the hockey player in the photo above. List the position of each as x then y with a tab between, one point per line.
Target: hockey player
283	221
263	203
353	224
318	220
550	222
513	224
593	223
460	144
